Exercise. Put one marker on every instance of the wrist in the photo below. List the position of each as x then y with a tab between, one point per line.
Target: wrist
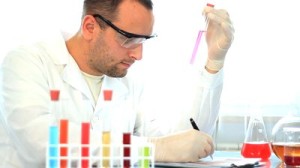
159	148
211	71
214	66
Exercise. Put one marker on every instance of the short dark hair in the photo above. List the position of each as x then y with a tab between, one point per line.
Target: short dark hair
108	8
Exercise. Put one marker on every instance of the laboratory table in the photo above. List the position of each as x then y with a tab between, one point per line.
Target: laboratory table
272	162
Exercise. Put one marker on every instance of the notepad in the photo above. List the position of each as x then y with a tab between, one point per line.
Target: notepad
217	162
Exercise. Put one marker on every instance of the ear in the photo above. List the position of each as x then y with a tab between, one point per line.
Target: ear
88	27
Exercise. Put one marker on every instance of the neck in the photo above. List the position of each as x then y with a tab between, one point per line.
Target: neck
77	48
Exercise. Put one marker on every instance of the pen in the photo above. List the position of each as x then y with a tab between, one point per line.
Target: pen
196	128
194	124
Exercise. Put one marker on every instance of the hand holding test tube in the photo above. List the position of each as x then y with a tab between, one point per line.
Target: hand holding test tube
219	37
198	40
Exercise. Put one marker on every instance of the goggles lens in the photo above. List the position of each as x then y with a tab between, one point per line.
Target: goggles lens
132	42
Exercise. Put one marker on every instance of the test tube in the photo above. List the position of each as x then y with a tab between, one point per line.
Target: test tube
126	145
106	148
144	149
200	33
144	155
63	139
85	141
53	146
106	134
53	130
55	107
206	19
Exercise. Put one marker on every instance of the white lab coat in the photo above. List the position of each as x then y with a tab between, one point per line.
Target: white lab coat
27	75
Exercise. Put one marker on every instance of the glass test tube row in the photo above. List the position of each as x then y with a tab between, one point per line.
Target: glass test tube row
109	155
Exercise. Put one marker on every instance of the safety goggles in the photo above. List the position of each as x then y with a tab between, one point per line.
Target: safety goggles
128	40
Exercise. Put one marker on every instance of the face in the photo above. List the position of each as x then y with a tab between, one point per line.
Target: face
106	54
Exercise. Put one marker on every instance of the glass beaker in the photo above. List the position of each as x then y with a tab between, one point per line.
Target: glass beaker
256	144
278	134
292	146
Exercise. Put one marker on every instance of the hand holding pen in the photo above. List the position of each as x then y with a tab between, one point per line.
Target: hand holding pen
194	125
183	146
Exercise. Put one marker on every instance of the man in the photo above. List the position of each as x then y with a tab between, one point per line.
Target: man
97	58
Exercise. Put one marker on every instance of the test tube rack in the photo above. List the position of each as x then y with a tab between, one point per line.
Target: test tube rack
122	153
142	156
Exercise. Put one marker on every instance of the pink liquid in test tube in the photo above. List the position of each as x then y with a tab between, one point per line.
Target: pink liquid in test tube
198	40
196	46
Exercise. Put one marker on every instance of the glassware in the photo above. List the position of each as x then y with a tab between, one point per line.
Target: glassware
278	134
292	146
200	33
256	144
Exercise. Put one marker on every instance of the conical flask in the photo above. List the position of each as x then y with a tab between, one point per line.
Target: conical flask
256	144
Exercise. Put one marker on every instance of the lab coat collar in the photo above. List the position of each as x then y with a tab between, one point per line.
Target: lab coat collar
72	75
56	47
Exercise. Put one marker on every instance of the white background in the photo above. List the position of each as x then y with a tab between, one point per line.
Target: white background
262	66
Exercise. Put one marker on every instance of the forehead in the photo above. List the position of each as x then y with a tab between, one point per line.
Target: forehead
135	18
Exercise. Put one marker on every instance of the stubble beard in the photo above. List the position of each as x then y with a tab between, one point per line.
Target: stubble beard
102	60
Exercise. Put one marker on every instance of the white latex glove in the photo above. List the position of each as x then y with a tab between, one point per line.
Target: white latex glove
219	36
186	146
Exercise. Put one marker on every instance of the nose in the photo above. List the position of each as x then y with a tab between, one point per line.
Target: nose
136	53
